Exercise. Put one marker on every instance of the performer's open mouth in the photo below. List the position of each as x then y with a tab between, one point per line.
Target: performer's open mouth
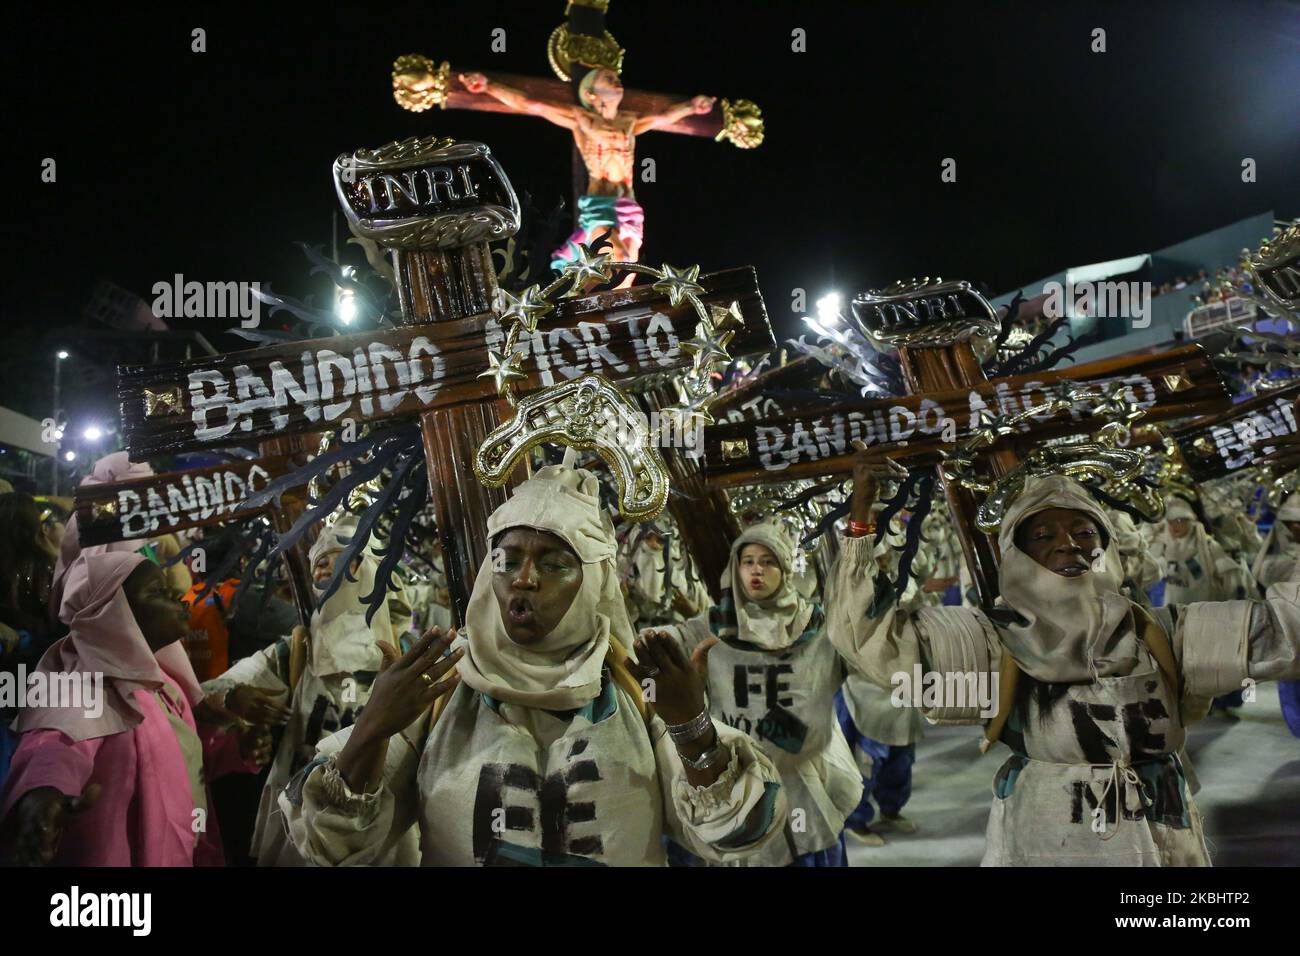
756	584
521	611
1074	569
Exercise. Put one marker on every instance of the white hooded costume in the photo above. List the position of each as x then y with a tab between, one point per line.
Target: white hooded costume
1141	568
1195	566
1279	558
1094	691
869	706
548	740
773	675
342	663
649	601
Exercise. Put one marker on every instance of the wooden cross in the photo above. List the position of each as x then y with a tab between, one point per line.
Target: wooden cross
930	323
142	508
435	204
1223	444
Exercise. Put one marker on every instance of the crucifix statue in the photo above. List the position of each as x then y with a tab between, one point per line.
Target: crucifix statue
435	204
605	136
590	101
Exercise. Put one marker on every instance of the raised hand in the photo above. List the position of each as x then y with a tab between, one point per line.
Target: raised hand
682	604
702	104
35	826
871	466
678	688
700	658
408	684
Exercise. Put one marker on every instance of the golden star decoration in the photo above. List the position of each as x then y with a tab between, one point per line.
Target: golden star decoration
728	318
676	283
525	309
503	369
708	347
587	268
691	407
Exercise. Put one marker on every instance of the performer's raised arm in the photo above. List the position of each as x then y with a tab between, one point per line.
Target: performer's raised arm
877	637
1223	646
517	100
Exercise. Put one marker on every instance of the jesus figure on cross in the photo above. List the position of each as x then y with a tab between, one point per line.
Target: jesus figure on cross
606	138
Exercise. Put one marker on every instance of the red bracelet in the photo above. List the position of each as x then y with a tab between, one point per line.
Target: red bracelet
857	529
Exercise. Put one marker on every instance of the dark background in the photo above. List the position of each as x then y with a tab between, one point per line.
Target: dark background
213	164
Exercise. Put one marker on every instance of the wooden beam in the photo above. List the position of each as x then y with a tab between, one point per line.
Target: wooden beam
368	377
144	508
814	442
1222	444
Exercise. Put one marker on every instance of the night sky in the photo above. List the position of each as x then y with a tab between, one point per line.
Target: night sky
213	164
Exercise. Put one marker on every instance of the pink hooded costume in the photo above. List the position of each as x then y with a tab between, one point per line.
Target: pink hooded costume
112	468
145	812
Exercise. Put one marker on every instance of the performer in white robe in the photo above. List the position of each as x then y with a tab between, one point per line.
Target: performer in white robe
1233	527
882	735
1278	562
542	754
1279	557
1195	566
662	586
1140	567
772	674
341	663
1094	691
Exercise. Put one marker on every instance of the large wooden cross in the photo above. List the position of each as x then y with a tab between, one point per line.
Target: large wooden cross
435	204
948	394
1223	444
142	508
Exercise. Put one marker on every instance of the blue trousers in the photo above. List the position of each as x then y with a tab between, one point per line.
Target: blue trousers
891	780
1288	691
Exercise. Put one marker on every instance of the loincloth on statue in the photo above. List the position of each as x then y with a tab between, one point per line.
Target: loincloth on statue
598	213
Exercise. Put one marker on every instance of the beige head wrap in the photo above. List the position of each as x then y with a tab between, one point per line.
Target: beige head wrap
1194	544
781	619
1280	542
1074	629
341	640
562	671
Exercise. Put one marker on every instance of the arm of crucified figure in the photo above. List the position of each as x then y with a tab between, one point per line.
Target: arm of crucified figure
694	106
516	100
